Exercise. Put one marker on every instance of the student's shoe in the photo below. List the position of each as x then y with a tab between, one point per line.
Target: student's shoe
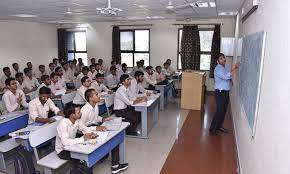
119	168
223	130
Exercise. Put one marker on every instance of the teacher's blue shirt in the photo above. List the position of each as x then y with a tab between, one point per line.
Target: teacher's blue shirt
222	77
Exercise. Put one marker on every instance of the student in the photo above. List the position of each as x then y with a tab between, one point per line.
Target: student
30	66
55	62
142	64
15	69
112	79
137	68
20	79
223	77
99	86
159	74
68	74
14	99
45	79
118	65
93	71
30	82
79	98
7	74
123	100
41	71
93	61
62	80
39	107
51	68
149	78
80	64
98	68
85	72
55	84
73	68
170	69
124	70
103	67
166	71
136	87
90	118
67	129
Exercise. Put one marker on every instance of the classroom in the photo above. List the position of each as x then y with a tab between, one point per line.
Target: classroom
144	87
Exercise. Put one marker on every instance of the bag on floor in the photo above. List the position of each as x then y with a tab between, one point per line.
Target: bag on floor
81	168
23	162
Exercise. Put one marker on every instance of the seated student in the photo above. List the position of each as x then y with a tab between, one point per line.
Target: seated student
124	70
136	87
93	61
62	80
7	74
79	98
123	100
51	68
85	72
45	79
98	68
137	68
112	79
39	107
41	71
99	86
15	69
166	70
55	84
103	68
30	66
170	69
55	62
20	79
149	78
73	68
93	71
30	82
142	62
68	73
67	129
80	64
159	74
14	99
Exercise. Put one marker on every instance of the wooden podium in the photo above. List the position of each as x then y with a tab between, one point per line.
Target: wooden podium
193	90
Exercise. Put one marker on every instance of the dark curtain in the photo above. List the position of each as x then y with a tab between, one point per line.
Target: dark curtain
116	48
62	43
190	48
215	49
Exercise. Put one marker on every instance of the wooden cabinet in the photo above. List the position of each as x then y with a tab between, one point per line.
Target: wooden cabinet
193	90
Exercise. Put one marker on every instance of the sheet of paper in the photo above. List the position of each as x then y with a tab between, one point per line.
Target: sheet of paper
60	92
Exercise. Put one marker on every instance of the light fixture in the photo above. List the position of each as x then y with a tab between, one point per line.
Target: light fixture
201	4
109	9
212	4
24	16
68	11
230	13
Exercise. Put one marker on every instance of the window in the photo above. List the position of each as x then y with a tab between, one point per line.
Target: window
135	45
77	46
206	36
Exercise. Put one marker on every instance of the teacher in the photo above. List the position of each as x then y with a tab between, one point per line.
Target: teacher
223	78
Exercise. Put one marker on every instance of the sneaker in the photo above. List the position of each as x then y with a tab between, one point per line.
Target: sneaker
119	168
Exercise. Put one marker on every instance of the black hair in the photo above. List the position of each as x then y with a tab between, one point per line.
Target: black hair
149	67
40	66
52	75
44	77
99	75
100	60
83	80
166	64
8	80
14	64
51	64
85	68
57	68
89	94
26	70
138	73
112	68
168	60
69	109
123	77
55	59
124	65
44	90
113	61
91	66
157	67
28	63
19	74
93	59
5	68
218	56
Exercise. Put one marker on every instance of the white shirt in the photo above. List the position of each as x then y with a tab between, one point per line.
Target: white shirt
30	83
56	86
13	72
149	79
49	71
20	86
99	87
160	77
66	132
38	74
112	81
10	100
137	88
40	86
80	96
167	72
2	80
122	98
36	109
90	115
68	75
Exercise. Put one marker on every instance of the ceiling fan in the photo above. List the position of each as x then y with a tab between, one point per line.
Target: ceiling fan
109	9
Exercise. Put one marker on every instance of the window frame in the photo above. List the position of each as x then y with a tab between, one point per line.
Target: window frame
134	51
74	41
201	52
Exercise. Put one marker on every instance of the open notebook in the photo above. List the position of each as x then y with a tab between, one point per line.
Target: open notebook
113	125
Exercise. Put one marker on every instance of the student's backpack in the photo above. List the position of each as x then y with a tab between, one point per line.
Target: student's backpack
81	168
23	162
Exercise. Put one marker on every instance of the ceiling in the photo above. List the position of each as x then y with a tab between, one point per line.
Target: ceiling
55	11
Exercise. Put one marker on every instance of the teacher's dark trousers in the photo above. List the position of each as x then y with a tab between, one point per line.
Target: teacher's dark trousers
222	101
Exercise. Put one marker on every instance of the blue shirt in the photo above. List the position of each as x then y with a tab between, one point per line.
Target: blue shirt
222	77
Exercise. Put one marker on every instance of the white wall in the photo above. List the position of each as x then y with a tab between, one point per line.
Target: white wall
163	40
27	41
268	152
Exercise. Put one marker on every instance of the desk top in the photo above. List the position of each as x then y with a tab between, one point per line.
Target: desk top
150	101
89	148
12	115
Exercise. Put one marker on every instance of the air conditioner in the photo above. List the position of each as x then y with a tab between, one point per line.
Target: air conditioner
249	7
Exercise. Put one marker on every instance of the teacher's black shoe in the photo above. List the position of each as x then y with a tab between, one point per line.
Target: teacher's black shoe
119	168
213	131
223	130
